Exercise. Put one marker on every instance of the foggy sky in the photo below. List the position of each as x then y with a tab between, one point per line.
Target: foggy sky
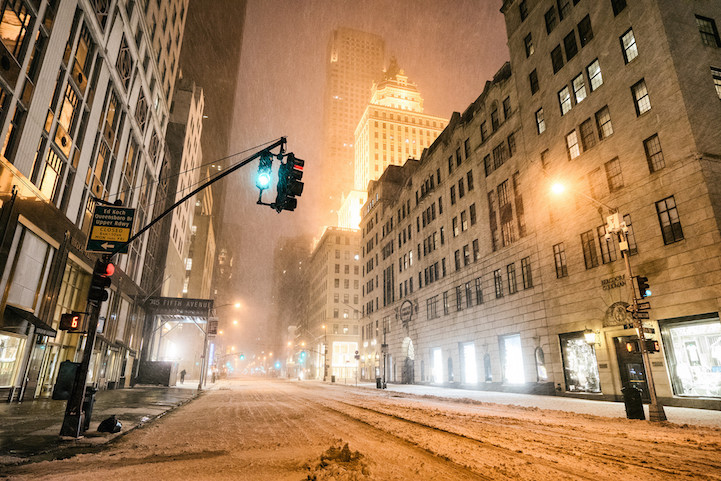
449	48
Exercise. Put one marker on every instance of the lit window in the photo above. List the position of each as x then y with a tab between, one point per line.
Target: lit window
628	43
564	99
603	121
572	145
540	122
716	74
579	88
640	97
594	75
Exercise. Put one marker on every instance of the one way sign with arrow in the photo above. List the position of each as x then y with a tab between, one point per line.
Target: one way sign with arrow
111	226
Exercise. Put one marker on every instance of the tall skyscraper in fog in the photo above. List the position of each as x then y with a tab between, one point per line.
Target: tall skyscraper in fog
355	61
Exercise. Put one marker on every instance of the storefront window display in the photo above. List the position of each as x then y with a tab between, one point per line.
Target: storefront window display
693	354
580	367
10	351
512	359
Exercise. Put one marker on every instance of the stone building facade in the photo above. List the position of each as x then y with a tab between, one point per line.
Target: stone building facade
510	287
85	106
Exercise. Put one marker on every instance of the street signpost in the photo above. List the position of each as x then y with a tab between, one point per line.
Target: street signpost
111	226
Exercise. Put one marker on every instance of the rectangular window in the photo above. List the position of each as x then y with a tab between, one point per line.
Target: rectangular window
506	108
458	156
453	195
464	221
564	99
469	180
459	298
498	283
669	220
469	298
432	307
499	155
479	291
707	29
523	9
588	137
487	165
585	32
716	75
533	80
484	131
528	42
603	121
569	43
526	273
607	245
457	259
494	120
613	174
551	19
446	309
594	75
564	8
540	122
640	97
511	145
559	257
466	149
579	88
628	45
472	213
572	145
455	227
511	273
590	255
466	255
618	6
461	188
16	20
654	154
476	250
557	58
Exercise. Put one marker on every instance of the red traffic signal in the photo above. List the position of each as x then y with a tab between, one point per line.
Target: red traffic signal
71	321
101	281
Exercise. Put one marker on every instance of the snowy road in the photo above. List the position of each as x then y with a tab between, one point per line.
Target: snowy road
262	430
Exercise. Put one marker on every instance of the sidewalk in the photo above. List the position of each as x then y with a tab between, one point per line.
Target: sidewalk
678	415
31	430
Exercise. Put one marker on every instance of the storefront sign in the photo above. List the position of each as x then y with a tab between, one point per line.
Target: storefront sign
613	282
179	306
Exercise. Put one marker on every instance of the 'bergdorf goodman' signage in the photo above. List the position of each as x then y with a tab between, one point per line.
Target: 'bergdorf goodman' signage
613	282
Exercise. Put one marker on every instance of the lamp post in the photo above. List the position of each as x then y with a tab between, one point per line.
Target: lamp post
325	353
615	227
204	361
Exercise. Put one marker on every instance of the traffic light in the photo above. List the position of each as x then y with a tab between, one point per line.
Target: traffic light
632	346
302	356
242	356
652	345
101	280
71	322
643	289
289	185
265	170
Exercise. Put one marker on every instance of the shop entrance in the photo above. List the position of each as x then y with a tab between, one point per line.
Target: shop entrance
630	365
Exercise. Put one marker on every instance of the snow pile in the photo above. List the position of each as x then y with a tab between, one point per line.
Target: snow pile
339	464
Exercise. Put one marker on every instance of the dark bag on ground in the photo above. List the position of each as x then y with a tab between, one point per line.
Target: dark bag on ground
110	425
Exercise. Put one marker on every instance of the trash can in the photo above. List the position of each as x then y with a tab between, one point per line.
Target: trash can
379	383
332	378
88	403
634	405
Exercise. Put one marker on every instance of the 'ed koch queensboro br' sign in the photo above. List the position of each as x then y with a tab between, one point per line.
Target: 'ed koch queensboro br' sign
179	306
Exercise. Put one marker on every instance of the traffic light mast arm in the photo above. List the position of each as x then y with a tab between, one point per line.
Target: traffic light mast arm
279	143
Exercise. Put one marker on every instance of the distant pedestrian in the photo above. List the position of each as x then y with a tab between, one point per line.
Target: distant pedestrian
182	376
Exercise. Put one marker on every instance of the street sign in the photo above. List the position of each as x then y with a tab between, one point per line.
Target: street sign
641	315
213	327
111	227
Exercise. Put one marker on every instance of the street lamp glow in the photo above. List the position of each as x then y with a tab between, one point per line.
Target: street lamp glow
237	305
558	188
235	322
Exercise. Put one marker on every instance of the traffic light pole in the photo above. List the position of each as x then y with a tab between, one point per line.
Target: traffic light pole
74	420
655	408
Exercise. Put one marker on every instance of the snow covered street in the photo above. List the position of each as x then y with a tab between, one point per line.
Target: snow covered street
275	430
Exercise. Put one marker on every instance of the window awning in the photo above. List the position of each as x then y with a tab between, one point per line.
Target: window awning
17	320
